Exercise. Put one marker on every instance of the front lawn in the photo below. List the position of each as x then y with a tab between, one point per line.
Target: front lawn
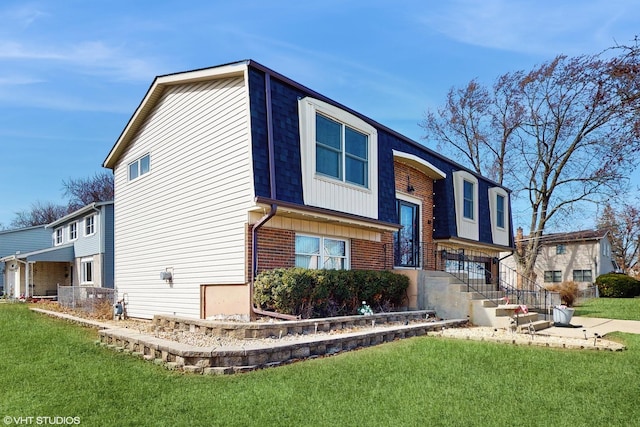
52	368
610	308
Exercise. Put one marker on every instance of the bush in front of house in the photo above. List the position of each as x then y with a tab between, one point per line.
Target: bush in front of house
327	293
615	285
568	291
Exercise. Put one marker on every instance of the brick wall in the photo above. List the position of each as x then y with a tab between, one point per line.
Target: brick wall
276	249
368	255
423	190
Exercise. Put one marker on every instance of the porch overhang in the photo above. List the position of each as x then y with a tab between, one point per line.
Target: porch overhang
420	164
63	253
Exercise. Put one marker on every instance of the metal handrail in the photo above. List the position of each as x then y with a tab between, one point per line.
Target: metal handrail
470	267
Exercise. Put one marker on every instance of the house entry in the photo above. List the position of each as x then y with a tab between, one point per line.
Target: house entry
407	239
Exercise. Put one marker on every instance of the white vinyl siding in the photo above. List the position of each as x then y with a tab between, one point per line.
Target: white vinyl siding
190	214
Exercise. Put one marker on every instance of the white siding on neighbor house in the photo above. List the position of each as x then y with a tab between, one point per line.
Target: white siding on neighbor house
189	212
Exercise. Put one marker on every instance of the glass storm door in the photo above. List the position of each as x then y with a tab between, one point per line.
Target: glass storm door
407	239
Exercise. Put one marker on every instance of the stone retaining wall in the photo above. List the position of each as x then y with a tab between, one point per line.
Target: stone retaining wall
255	330
228	360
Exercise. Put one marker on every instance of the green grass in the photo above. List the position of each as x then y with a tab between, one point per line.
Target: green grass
52	368
610	308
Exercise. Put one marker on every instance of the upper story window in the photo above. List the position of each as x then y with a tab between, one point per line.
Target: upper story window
73	231
341	151
139	167
500	212
561	249
89	225
339	159
58	236
321	252
469	199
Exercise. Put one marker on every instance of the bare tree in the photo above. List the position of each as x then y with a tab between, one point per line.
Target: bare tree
39	214
623	224
565	133
84	191
81	192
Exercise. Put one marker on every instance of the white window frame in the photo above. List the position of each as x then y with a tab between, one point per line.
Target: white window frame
73	231
86	269
58	236
321	255
138	166
90	228
468	228
500	234
324	190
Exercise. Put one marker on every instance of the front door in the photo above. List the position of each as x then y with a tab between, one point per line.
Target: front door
407	239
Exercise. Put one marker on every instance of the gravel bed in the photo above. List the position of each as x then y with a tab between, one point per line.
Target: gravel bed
470	333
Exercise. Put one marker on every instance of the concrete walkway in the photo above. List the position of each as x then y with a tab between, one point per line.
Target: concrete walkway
591	326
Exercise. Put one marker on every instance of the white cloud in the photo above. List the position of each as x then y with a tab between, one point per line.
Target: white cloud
535	27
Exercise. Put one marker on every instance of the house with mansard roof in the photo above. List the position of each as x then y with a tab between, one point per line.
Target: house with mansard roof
227	171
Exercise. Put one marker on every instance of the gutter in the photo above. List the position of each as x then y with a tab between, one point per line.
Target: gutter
274	209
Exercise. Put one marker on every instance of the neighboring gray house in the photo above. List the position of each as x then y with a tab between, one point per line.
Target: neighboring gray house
20	240
79	253
578	256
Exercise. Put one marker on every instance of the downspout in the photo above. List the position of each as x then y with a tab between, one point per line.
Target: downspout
270	214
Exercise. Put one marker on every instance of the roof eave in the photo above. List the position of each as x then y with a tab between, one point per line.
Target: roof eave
155	92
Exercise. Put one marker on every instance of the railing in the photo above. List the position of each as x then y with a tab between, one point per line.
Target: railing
481	273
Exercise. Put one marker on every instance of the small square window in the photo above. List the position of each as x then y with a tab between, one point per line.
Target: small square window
139	167
561	249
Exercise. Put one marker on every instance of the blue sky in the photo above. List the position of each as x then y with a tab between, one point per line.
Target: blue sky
73	71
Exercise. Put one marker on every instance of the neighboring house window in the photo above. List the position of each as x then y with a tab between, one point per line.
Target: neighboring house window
553	276
321	253
73	231
139	167
500	211
341	151
561	249
86	265
89	225
582	276
58	236
468	205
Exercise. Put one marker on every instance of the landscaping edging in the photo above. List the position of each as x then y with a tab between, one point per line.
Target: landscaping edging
252	355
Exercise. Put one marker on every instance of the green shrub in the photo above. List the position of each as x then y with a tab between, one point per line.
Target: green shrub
614	285
326	293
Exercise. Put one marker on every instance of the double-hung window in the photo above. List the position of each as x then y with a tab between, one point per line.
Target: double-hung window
468	204
73	231
139	167
321	253
341	151
58	236
86	270
89	225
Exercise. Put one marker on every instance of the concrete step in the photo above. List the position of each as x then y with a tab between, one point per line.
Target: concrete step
538	325
485	295
507	309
